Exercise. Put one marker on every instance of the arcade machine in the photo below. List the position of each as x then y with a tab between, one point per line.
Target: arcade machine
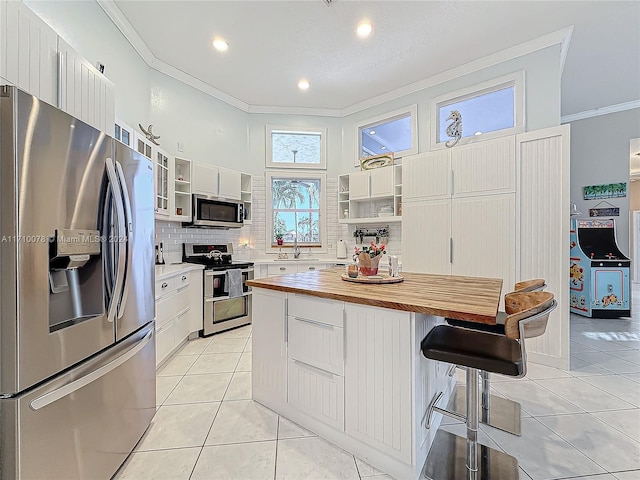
599	271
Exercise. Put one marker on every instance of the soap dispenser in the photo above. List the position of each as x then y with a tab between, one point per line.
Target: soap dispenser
341	251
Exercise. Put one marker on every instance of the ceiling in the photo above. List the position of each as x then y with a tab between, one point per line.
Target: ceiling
275	43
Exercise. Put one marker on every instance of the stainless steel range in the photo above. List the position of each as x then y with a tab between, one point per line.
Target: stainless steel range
227	297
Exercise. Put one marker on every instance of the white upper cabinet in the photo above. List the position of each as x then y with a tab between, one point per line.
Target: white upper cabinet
28	52
205	179
374	183
162	166
230	184
426	176
84	92
484	168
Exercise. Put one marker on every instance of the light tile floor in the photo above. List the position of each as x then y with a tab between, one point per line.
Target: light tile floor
578	424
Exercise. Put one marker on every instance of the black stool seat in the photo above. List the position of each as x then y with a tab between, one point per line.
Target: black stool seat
493	353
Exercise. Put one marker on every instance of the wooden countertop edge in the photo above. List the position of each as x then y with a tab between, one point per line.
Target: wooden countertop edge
436	310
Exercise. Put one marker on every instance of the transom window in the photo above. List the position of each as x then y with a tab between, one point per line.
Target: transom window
488	110
293	147
297	204
394	132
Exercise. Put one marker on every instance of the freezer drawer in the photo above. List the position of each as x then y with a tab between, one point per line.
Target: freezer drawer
85	423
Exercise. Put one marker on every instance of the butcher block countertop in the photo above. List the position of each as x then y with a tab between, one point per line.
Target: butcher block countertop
464	298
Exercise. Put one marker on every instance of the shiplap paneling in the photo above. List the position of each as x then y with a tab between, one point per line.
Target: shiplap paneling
378	379
483	229
426	176
425	237
28	59
543	244
484	167
269	358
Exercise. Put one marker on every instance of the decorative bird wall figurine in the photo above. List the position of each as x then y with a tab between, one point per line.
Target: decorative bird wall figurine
149	134
454	130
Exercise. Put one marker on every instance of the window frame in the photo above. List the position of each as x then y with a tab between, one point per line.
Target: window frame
322	223
516	80
269	163
373	122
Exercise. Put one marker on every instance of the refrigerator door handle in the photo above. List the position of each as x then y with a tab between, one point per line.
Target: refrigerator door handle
117	198
128	227
69	388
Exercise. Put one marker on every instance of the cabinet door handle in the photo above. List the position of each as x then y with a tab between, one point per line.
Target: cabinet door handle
165	285
450	250
282	269
314	322
312	268
319	371
184	277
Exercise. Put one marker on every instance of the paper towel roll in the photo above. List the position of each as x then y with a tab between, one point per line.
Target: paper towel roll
341	249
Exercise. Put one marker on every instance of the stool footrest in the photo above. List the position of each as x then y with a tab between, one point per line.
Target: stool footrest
447	460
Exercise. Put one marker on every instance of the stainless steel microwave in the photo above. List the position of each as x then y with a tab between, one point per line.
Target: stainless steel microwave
214	212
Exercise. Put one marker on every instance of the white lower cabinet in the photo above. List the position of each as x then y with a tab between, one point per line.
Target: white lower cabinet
317	393
317	344
269	357
353	374
178	311
165	340
378	372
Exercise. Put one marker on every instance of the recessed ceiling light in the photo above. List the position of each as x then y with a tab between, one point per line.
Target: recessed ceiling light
372	132
478	133
220	44
303	84
364	29
383	147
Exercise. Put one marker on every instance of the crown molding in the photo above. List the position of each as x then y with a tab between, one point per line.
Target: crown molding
562	37
130	33
620	107
318	112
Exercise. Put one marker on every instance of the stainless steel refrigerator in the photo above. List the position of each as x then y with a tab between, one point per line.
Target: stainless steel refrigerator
77	347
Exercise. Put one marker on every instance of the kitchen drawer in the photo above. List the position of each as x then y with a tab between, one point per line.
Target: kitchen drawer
316	344
316	393
171	305
183	328
164	287
182	280
280	269
165	341
319	309
311	267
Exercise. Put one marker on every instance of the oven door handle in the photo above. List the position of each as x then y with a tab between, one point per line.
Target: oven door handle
226	297
218	273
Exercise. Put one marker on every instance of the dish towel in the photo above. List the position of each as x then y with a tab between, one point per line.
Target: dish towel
233	283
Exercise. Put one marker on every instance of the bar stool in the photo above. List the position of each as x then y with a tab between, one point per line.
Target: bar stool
506	414
452	457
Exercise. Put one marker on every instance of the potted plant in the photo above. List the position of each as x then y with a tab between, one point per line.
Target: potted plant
369	257
279	233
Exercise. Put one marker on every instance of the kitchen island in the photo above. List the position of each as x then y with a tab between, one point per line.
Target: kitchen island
343	359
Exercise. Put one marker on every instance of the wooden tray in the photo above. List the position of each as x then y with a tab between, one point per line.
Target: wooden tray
380	278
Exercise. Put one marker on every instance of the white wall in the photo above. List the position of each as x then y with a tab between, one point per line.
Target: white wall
210	130
86	27
600	155
542	99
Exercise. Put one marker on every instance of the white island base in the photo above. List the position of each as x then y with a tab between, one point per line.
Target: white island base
352	374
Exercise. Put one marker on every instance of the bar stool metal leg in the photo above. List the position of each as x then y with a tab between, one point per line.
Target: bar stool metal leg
472	419
496	412
457	458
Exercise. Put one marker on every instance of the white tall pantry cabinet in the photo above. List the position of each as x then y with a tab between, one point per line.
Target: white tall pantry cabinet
496	208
